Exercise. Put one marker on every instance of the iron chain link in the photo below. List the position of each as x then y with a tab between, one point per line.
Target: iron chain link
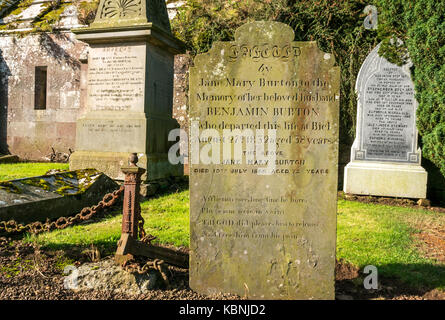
12	226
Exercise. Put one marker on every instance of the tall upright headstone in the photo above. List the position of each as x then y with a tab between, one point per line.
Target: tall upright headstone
263	223
385	158
130	89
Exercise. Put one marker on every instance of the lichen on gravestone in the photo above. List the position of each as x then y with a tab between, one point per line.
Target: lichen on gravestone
115	14
51	196
260	231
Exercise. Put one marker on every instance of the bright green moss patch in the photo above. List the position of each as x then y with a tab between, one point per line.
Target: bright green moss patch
37	182
9	187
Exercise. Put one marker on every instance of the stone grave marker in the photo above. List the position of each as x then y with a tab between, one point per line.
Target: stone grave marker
263	220
129	90
52	196
385	157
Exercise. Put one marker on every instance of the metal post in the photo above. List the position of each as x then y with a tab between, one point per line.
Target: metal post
128	245
131	213
132	209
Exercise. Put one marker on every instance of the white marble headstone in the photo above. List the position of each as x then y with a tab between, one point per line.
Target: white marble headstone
386	115
385	157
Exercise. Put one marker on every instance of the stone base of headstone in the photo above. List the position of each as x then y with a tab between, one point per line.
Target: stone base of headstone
381	179
157	166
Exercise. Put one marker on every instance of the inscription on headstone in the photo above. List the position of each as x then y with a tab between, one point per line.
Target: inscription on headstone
388	107
116	78
385	158
263	178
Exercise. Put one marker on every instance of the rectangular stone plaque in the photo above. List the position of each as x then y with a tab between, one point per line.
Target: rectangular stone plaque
116	77
113	135
263	221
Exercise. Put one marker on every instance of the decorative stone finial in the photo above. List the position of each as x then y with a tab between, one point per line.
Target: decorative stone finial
118	13
133	159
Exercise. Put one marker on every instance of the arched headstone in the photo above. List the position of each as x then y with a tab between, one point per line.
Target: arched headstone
385	157
263	225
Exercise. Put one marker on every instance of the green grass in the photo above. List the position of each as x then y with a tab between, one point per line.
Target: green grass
379	235
367	234
166	217
10	171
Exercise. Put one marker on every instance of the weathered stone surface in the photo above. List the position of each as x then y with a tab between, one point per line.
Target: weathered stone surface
180	99
24	131
31	133
52	196
115	13
265	233
129	92
105	275
385	157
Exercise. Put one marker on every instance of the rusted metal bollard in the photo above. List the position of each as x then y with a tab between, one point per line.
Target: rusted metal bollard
131	214
132	209
129	245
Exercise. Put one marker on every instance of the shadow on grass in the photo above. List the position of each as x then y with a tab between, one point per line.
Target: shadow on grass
397	281
171	188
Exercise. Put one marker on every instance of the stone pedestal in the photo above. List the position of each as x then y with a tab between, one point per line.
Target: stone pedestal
129	91
385	158
383	179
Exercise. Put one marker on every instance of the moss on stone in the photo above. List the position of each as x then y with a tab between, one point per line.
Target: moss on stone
63	190
20	7
37	182
49	16
9	187
45	21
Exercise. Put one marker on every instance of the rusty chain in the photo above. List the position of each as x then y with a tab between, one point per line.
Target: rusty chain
146	238
133	266
86	213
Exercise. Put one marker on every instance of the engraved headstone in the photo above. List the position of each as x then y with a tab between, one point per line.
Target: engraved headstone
385	157
129	91
263	220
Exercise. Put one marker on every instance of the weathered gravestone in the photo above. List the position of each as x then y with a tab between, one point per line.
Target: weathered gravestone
52	196
385	158
129	91
264	224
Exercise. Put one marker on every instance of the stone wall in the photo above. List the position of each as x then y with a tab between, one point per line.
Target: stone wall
25	130
31	133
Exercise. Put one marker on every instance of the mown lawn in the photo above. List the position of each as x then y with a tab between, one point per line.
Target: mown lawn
10	171
166	217
384	236
367	234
